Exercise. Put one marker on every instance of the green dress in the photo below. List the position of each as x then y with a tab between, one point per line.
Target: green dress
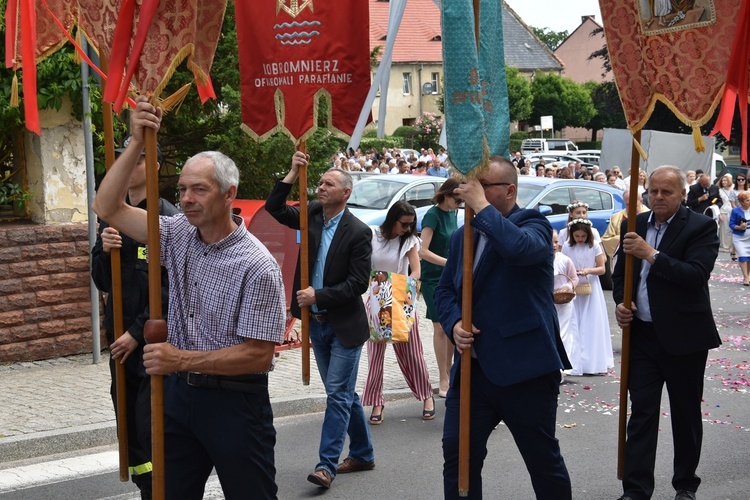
443	223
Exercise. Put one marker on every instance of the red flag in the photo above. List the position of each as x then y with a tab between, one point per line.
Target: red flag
737	80
291	51
673	51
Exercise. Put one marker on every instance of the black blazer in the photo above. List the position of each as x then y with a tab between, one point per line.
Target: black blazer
696	191
346	273
677	282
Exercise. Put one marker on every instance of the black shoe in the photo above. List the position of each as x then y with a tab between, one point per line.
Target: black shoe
625	497
685	495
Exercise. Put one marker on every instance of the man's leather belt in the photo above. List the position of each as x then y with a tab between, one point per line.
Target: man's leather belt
320	318
256	384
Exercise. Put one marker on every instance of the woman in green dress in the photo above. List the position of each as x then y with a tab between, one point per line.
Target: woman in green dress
438	225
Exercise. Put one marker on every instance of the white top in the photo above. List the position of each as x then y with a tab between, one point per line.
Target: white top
386	255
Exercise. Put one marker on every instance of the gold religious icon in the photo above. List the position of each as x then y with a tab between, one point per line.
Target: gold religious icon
294	7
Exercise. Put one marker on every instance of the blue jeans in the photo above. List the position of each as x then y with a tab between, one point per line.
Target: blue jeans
338	367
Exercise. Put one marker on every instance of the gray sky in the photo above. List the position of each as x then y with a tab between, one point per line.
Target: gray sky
557	15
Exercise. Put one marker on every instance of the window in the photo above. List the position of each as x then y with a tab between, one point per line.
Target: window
597	200
407	83
558	200
420	196
435	83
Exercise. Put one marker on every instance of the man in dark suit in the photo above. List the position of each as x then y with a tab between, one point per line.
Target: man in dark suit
339	264
514	340
702	195
671	330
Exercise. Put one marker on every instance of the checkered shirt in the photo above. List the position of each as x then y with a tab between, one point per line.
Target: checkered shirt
222	293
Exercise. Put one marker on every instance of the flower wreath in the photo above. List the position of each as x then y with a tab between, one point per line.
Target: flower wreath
577	204
579	221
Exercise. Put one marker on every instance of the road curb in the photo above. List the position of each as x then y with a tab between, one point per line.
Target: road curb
39	444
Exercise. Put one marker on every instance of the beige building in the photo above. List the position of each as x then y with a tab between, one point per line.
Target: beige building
574	53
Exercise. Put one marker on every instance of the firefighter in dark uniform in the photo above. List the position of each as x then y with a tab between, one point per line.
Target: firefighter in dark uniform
128	349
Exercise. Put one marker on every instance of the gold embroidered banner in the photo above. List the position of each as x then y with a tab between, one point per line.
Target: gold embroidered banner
673	51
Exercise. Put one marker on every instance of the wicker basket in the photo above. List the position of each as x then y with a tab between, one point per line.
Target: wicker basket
583	288
564	295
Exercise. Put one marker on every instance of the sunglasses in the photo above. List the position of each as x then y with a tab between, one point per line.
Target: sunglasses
407	224
458	201
740	178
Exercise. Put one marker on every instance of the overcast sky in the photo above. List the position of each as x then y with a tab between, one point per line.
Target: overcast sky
557	15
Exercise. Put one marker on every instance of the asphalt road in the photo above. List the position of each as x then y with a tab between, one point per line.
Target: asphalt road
409	456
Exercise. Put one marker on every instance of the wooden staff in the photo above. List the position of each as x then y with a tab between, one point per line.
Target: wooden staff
626	301
155	330
304	270
116	298
464	416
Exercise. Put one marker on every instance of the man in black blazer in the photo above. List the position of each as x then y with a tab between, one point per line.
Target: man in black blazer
340	248
671	330
703	194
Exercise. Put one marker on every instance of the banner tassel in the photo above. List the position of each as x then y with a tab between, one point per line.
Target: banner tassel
14	91
700	146
76	55
640	149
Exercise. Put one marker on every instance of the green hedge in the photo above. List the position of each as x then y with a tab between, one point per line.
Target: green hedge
379	144
589	144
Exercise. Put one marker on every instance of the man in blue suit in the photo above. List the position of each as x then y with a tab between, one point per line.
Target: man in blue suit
515	341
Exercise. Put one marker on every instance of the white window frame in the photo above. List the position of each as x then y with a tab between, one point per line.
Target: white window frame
435	82
407	83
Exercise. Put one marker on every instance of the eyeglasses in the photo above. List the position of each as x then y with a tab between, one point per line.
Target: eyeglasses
485	185
458	201
407	224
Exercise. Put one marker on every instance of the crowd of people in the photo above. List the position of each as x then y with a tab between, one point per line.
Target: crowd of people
226	311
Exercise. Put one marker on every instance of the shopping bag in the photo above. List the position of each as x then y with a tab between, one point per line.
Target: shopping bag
391	306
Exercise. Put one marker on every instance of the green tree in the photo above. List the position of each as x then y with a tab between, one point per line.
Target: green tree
520	98
609	113
551	39
568	102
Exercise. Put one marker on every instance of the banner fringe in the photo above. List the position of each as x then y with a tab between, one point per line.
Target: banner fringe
641	151
14	91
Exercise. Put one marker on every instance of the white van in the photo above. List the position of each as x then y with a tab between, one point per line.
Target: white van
529	146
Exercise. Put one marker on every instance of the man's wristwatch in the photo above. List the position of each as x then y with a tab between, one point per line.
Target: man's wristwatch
653	257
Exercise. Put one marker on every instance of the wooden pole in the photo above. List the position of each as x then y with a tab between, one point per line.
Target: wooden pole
156	328
627	301
464	417
116	298
304	267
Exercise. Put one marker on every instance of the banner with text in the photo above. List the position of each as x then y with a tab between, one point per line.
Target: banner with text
476	93
292	51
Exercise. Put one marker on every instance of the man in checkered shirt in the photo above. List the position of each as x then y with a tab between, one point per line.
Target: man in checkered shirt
227	312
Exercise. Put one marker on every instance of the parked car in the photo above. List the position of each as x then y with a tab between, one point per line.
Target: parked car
359	175
588	155
372	196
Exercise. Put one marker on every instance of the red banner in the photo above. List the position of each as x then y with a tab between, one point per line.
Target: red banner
292	51
673	51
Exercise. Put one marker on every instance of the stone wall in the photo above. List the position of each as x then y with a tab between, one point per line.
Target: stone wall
45	308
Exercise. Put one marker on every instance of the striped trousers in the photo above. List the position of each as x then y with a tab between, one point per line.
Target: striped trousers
410	356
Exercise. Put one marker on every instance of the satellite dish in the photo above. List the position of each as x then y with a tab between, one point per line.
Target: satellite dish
427	88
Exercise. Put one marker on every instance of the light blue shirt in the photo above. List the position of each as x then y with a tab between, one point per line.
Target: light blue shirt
654	234
329	229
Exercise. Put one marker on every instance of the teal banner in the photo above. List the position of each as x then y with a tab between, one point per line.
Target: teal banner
477	122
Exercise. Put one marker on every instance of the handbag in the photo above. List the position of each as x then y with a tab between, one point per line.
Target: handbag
391	306
583	288
564	295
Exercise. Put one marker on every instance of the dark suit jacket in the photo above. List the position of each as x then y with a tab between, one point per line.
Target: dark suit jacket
347	268
677	282
696	191
513	306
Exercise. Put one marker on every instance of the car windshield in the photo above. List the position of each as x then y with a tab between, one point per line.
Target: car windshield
375	194
526	193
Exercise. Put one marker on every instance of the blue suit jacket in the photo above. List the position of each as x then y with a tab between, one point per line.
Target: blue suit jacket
513	306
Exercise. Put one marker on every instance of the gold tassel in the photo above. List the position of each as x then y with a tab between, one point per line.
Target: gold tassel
14	91
700	146
176	99
640	149
76	55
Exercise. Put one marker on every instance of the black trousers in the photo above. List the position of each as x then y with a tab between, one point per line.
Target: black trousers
651	366
229	430
529	410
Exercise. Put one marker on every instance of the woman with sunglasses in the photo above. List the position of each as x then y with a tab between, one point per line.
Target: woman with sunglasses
395	248
438	224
